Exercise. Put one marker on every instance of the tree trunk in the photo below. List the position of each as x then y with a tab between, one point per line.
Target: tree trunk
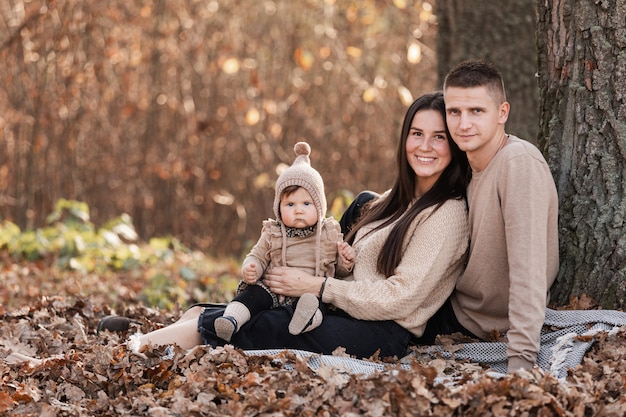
582	67
502	32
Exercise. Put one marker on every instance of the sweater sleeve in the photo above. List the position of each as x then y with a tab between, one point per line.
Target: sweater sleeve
332	264
432	260
260	253
528	198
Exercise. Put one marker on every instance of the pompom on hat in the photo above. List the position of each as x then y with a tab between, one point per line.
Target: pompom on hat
301	173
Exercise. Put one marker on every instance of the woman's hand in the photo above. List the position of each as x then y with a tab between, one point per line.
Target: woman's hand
292	281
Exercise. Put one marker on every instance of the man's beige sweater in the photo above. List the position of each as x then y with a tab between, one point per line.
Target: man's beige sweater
514	251
433	255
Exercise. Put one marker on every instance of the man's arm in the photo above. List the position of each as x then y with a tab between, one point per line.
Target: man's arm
529	206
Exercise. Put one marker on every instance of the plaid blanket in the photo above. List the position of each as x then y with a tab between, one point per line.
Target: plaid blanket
566	337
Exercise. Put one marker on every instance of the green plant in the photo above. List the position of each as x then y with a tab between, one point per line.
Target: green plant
161	272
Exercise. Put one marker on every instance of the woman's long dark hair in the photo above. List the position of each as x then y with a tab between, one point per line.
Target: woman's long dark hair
452	183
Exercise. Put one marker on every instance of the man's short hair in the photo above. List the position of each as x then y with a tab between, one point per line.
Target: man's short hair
477	73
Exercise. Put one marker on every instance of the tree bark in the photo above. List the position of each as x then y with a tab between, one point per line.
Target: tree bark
502	32
582	65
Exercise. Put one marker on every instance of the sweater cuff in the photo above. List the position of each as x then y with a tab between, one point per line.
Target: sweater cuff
516	363
330	287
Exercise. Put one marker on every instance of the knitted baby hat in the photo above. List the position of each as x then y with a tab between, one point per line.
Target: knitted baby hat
301	174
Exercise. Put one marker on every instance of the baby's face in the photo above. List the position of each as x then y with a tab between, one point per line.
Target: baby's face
297	209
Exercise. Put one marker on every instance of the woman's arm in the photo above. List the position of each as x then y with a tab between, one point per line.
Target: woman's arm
292	281
424	278
431	262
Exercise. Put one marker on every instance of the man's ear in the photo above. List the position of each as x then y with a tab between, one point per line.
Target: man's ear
504	109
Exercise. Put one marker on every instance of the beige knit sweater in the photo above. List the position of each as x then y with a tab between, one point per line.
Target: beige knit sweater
514	254
433	256
300	250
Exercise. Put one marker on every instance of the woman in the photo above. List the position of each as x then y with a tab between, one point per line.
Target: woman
410	248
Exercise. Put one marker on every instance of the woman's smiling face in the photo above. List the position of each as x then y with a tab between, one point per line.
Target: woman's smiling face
427	149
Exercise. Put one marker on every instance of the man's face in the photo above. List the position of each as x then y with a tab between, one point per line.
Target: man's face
474	117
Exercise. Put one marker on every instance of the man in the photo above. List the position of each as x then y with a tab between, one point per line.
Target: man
513	213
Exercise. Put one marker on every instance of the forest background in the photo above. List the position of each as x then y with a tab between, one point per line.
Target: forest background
172	119
182	113
179	114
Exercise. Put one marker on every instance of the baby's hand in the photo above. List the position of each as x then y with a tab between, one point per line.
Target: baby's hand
249	274
346	252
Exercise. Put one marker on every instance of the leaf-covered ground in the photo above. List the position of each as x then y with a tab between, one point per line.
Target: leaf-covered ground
51	314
